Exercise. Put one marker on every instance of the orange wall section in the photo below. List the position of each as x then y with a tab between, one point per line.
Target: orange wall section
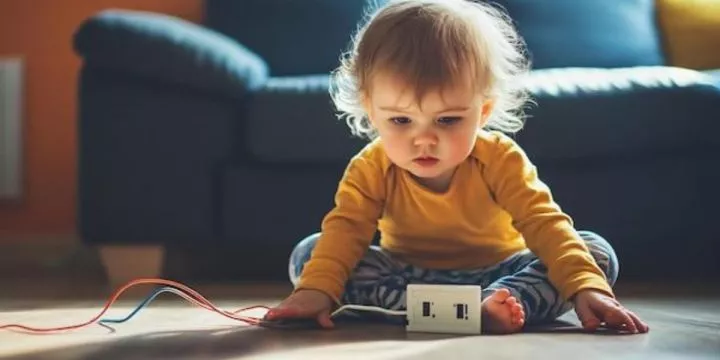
40	31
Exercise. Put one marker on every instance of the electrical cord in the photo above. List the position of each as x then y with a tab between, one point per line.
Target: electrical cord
368	308
148	300
159	291
186	293
180	289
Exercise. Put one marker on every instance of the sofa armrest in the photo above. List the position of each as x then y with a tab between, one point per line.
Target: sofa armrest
150	160
171	50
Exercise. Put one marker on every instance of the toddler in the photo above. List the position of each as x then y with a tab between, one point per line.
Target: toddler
435	85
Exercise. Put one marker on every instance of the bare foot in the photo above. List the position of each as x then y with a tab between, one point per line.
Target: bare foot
502	313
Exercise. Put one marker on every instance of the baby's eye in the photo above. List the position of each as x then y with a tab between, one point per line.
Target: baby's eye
449	120
401	120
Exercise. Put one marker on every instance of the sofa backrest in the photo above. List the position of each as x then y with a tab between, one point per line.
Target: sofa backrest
298	37
295	37
588	33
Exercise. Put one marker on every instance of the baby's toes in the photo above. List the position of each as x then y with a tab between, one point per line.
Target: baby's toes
517	314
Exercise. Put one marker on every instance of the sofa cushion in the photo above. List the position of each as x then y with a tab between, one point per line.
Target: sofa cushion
292	119
294	37
617	113
254	198
587	33
580	113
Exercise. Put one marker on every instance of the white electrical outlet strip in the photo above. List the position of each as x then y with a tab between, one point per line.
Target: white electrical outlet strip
451	309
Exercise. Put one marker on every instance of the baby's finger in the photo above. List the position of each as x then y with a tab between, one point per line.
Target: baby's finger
281	312
641	326
587	317
619	319
325	321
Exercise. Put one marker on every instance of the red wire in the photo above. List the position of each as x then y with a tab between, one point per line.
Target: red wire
193	297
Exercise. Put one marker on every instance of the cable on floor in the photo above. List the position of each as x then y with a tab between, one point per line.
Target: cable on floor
179	289
187	293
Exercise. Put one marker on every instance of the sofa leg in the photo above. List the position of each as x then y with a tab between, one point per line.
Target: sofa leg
124	263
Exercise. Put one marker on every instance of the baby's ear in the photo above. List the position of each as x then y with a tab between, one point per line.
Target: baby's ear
487	109
367	106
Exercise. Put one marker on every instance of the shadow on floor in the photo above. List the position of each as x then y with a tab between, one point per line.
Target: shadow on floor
235	342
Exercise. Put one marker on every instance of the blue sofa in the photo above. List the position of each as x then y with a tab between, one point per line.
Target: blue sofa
220	138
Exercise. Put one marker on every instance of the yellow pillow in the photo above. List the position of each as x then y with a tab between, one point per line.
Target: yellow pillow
691	31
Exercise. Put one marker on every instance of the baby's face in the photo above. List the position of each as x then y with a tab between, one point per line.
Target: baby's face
431	138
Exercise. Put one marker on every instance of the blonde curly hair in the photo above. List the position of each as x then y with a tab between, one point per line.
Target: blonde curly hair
433	44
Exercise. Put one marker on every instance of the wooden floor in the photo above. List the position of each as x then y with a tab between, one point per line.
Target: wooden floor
684	320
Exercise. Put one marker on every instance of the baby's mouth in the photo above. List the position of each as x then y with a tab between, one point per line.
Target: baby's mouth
426	161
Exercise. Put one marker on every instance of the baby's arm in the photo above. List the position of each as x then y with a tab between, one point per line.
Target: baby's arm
548	232
346	233
348	229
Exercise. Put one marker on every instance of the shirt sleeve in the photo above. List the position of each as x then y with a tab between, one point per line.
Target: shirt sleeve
348	229
547	230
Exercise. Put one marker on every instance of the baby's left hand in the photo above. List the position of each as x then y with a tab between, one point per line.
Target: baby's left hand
595	309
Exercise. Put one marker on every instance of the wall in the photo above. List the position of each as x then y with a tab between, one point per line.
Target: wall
41	32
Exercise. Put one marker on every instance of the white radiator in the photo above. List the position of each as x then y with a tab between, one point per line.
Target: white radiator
11	89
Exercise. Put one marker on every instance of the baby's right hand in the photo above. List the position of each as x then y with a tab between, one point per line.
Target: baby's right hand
304	304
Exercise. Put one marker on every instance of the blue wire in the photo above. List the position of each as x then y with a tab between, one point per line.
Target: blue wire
143	304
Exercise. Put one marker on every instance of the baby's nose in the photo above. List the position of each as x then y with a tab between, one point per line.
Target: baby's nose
426	138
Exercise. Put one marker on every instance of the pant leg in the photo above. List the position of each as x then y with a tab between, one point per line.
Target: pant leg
380	280
531	285
377	280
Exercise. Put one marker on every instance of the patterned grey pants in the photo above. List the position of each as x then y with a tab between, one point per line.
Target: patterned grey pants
380	280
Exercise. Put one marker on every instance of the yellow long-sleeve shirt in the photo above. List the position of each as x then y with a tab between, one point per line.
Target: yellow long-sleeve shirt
495	206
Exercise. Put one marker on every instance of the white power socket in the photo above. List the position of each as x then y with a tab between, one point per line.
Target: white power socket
451	309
